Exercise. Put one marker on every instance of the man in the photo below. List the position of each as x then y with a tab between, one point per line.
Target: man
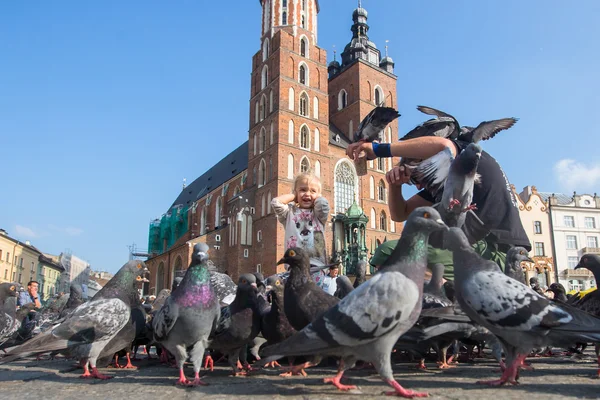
535	285
329	282
30	296
496	204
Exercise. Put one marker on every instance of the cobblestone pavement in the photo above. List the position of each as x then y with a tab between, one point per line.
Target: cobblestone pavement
553	378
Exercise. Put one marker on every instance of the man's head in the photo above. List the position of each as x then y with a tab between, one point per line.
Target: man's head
333	271
32	288
533	281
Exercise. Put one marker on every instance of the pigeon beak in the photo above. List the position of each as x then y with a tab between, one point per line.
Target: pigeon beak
282	261
254	285
579	266
442	224
528	259
268	288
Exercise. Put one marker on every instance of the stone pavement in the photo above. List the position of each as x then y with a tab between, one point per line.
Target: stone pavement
553	378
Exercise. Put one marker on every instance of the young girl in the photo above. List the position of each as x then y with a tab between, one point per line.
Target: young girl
304	213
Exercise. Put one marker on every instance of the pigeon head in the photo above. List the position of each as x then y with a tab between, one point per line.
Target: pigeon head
517	255
260	281
8	290
469	157
75	290
295	257
589	261
455	240
200	253
123	284
557	288
247	282
274	282
426	219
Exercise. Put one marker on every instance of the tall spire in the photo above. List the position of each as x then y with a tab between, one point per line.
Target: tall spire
359	4
386	47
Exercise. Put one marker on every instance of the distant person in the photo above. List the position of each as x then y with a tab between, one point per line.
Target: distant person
30	296
535	285
330	281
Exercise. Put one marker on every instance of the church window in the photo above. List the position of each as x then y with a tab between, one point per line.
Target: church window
318	168
342	99
304	137
262	173
302	75
317	140
373	217
218	211
270	168
304	105
262	142
264	79
291	99
291	132
265	49
371	188
379	100
263	108
284	18
303	47
304	4
383	221
290	173
381	191
381	164
303	22
316	108
304	165
345	186
271	101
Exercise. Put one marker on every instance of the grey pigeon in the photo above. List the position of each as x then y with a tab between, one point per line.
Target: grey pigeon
520	318
450	181
444	125
559	292
91	326
591	301
159	301
514	257
238	324
361	273
275	325
344	286
223	286
176	282
8	310
485	130
184	323
23	326
74	299
372	126
366	324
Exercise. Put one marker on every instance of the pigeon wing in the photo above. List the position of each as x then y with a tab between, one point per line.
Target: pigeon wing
432	111
163	321
487	130
432	173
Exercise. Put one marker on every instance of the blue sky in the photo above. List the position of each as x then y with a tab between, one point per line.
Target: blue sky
106	106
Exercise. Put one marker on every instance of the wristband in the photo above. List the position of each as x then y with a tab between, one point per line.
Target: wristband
382	149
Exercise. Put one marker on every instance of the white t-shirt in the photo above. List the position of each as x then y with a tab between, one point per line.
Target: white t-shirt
329	284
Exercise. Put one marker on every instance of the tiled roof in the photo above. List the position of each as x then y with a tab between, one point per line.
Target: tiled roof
230	166
561	198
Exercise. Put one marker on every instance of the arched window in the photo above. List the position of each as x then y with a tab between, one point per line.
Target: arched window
318	168
303	23
262	173
254	144
290	172
345	185
373	219
304	105
383	221
381	191
351	129
271	101
304	164
303	74
264	77
392	226
203	221
265	49
272	135
269	198
389	135
256	113
263	108
317	140
303	46
236	191
379	99
291	132
178	269
284	4
262	144
342	99
291	100
381	164
304	137
284	18
316	108
371	187
160	277
263	205
254	175
303	5
218	211
270	168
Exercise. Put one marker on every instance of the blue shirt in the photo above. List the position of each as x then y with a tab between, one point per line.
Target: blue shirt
25	298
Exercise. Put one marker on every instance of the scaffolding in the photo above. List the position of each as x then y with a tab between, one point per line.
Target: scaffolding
164	232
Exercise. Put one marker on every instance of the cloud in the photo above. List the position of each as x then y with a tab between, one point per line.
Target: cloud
25	231
576	176
72	231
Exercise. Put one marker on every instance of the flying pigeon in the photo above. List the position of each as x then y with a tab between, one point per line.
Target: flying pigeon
366	324
514	257
361	273
520	318
344	286
92	325
451	182
238	325
372	126
444	125
188	316
485	130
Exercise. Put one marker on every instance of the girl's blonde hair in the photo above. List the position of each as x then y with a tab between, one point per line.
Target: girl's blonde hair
308	176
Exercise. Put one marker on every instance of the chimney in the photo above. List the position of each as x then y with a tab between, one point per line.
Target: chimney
552	200
526	194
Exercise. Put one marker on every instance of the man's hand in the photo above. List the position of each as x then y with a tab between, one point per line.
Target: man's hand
354	151
398	176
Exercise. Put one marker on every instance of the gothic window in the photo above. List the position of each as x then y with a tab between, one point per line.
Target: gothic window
316	108
265	49
345	186
318	168
284	18
262	173
350	129
270	168
317	140
304	105
263	206
381	164
263	108
271	101
303	4
302	74
218	206
203	221
256	112
291	132
291	97
373	217
262	145
379	100
303	22
304	137
284	4
383	221
269	198
304	165
264	77
272	135
290	172
371	187
381	191
254	143
303	47
254	175
342	99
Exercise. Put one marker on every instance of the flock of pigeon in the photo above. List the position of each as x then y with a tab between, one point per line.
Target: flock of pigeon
287	315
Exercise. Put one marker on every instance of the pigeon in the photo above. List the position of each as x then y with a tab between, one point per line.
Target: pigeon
184	323
223	286
485	130
361	273
159	301
366	324
591	301
450	181
344	286
74	300
23	327
520	318
275	326
559	292
176	282
8	310
91	326
514	257
238	324
444	125
372	126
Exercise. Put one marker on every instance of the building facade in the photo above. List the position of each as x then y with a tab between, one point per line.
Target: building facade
18	260
575	231
302	115
76	271
50	276
535	218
